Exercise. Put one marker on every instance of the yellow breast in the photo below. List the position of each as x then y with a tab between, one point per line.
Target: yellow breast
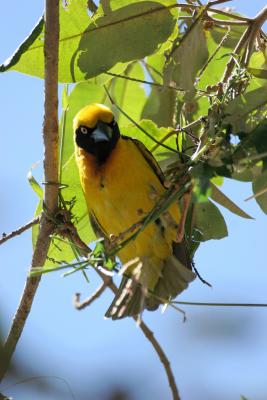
120	192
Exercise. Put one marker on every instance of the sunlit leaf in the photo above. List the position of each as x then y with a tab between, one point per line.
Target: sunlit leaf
208	223
220	198
87	48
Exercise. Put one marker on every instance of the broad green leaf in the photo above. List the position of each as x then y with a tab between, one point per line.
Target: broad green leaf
129	95
209	222
213	71
82	94
151	128
238	110
220	198
259	186
188	59
258	72
159	106
88	48
253	147
217	180
119	36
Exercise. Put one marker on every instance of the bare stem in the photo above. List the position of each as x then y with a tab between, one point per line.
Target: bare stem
50	138
162	356
108	282
80	305
247	41
20	230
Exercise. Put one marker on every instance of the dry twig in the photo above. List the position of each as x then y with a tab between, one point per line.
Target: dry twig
20	230
108	282
80	305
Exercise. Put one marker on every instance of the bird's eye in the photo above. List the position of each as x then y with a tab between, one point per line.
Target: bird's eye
84	130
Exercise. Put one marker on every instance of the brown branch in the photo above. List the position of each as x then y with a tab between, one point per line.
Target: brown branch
186	203
247	40
91	6
213	3
50	138
80	305
162	356
20	230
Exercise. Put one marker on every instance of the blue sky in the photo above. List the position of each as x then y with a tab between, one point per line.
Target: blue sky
217	354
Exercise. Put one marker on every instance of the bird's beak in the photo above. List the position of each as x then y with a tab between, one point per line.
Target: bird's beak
99	135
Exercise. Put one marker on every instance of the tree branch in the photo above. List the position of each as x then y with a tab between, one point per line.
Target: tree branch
50	139
247	39
80	305
162	356
20	230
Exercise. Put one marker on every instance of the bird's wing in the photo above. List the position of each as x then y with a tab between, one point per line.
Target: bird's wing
97	228
148	157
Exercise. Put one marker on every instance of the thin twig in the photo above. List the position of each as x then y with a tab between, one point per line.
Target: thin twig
197	303
225	22
20	230
80	305
225	36
231	63
213	3
247	39
151	83
91	6
136	124
186	203
50	138
108	282
180	129
162	356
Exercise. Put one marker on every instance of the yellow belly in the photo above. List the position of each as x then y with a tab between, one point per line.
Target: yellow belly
120	193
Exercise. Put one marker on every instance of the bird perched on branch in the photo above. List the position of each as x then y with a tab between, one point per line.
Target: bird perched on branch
122	182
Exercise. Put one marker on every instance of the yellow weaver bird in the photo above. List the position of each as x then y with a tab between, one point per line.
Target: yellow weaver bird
122	182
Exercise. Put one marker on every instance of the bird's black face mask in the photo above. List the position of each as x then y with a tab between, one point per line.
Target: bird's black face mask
98	141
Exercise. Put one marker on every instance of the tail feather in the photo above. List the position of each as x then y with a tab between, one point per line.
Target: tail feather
129	301
132	298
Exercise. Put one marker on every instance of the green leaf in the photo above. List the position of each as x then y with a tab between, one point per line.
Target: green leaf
220	198
202	173
209	223
258	72
238	110
34	184
217	53
129	95
150	127
82	94
88	48
35	35
35	228
259	186
253	147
